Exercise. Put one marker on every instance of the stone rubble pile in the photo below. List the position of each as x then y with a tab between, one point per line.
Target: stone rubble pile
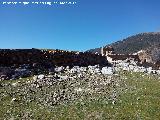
8	73
19	63
108	70
133	66
65	85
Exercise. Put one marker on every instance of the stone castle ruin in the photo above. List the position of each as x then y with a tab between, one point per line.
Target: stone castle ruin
112	57
142	58
16	63
46	58
107	51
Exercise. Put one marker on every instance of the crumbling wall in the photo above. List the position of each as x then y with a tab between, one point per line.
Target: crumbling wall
107	50
18	57
47	58
144	56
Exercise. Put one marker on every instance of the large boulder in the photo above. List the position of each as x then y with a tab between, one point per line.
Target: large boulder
107	70
59	69
41	76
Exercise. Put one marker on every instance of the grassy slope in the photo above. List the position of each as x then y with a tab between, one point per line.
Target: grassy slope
140	99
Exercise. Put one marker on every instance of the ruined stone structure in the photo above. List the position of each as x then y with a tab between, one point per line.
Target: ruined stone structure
113	58
144	56
47	58
117	57
107	50
71	58
9	57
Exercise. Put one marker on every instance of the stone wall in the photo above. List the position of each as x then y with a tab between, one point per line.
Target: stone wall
47	58
16	57
116	57
144	56
78	59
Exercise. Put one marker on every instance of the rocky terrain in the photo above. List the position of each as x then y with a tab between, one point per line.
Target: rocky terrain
25	98
63	87
72	85
19	63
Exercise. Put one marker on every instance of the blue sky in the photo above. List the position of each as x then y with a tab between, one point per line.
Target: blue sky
88	24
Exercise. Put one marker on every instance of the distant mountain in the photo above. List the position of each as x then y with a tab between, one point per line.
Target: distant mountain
133	44
147	45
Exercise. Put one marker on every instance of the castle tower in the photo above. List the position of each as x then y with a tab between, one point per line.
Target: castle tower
102	52
107	50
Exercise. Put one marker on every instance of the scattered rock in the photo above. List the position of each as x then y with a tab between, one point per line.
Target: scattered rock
13	99
41	76
59	69
35	78
107	71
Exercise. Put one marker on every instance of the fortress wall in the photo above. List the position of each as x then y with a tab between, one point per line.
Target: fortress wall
46	58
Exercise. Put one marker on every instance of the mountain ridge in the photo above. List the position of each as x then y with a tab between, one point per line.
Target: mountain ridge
134	43
148	42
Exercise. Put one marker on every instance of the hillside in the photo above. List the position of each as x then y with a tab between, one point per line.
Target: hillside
134	43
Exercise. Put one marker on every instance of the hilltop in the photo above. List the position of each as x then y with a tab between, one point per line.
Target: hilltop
134	43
